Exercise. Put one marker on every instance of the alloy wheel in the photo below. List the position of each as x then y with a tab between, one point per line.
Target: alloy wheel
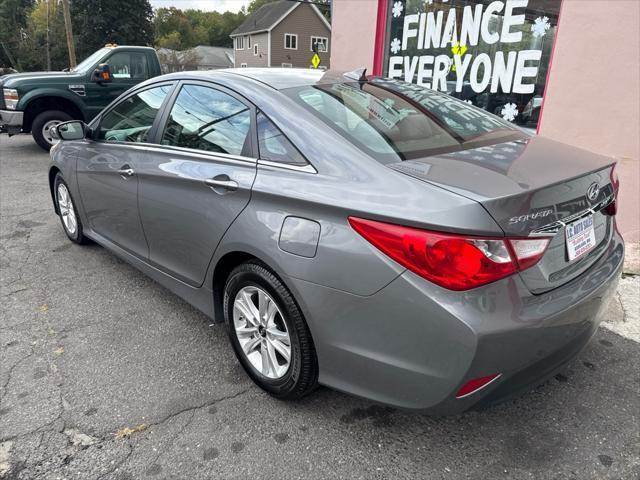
67	212
262	332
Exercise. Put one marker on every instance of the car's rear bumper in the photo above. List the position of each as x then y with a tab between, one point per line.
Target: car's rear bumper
414	344
11	121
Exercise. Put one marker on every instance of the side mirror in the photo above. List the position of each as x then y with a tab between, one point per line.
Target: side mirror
71	130
102	74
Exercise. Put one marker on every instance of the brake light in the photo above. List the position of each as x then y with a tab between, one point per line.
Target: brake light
612	208
455	262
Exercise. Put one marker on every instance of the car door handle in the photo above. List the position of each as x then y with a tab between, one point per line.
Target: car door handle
222	181
126	172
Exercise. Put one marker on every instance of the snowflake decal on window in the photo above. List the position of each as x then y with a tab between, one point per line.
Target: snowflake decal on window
509	112
397	9
540	26
471	127
428	2
395	46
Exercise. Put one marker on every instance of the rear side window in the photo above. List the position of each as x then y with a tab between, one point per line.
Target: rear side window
204	118
274	146
131	119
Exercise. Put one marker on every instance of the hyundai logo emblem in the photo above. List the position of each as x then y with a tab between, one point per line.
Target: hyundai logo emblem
593	191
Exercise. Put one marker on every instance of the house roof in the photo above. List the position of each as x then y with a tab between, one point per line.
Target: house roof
265	17
269	15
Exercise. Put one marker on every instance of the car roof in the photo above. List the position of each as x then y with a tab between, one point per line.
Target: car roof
276	78
280	78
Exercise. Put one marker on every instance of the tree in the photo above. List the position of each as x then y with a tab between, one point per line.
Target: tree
13	23
181	30
97	22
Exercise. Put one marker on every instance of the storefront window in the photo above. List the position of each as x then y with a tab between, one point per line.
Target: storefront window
494	54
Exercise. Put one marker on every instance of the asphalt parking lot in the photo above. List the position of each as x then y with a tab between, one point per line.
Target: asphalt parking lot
105	374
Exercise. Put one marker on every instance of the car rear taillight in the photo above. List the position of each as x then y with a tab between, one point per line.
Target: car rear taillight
612	208
456	262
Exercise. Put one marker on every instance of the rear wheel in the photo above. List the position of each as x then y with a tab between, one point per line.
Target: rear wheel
67	211
268	332
43	125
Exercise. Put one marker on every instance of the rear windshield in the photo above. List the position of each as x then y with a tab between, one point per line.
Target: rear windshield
393	120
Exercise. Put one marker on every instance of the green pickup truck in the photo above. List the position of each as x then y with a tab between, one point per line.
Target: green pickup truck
36	102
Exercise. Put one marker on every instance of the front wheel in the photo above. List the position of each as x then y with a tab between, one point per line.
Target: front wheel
43	125
67	211
268	332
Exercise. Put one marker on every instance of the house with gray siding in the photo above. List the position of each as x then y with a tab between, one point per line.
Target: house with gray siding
282	34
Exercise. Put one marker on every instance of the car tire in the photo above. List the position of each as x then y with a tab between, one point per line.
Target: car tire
43	123
68	212
301	374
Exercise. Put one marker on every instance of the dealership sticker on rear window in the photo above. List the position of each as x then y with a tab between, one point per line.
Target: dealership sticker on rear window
581	237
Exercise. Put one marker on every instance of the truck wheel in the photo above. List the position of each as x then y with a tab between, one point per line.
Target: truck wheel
44	123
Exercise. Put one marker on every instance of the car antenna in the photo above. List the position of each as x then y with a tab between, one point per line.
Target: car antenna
359	74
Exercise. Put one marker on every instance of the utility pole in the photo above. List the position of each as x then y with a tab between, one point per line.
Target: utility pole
68	29
47	41
12	62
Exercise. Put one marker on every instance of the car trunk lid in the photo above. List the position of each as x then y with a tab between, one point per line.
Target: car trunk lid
531	187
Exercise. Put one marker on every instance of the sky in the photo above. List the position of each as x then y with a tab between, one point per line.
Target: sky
209	5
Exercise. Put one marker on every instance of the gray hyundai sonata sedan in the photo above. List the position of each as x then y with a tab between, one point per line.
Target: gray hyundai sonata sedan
366	234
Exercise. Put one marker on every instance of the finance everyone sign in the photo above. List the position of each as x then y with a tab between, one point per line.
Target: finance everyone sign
475	46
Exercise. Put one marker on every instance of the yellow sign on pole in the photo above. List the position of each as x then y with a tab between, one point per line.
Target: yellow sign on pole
315	60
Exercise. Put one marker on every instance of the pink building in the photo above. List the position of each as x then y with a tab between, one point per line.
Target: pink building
568	69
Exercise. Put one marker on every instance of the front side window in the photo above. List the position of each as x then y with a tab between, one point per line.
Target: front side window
128	65
239	43
291	41
204	118
274	146
131	119
394	121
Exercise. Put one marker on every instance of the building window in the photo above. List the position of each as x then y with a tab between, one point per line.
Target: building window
321	42
291	41
501	52
243	65
239	43
255	49
248	38
287	65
